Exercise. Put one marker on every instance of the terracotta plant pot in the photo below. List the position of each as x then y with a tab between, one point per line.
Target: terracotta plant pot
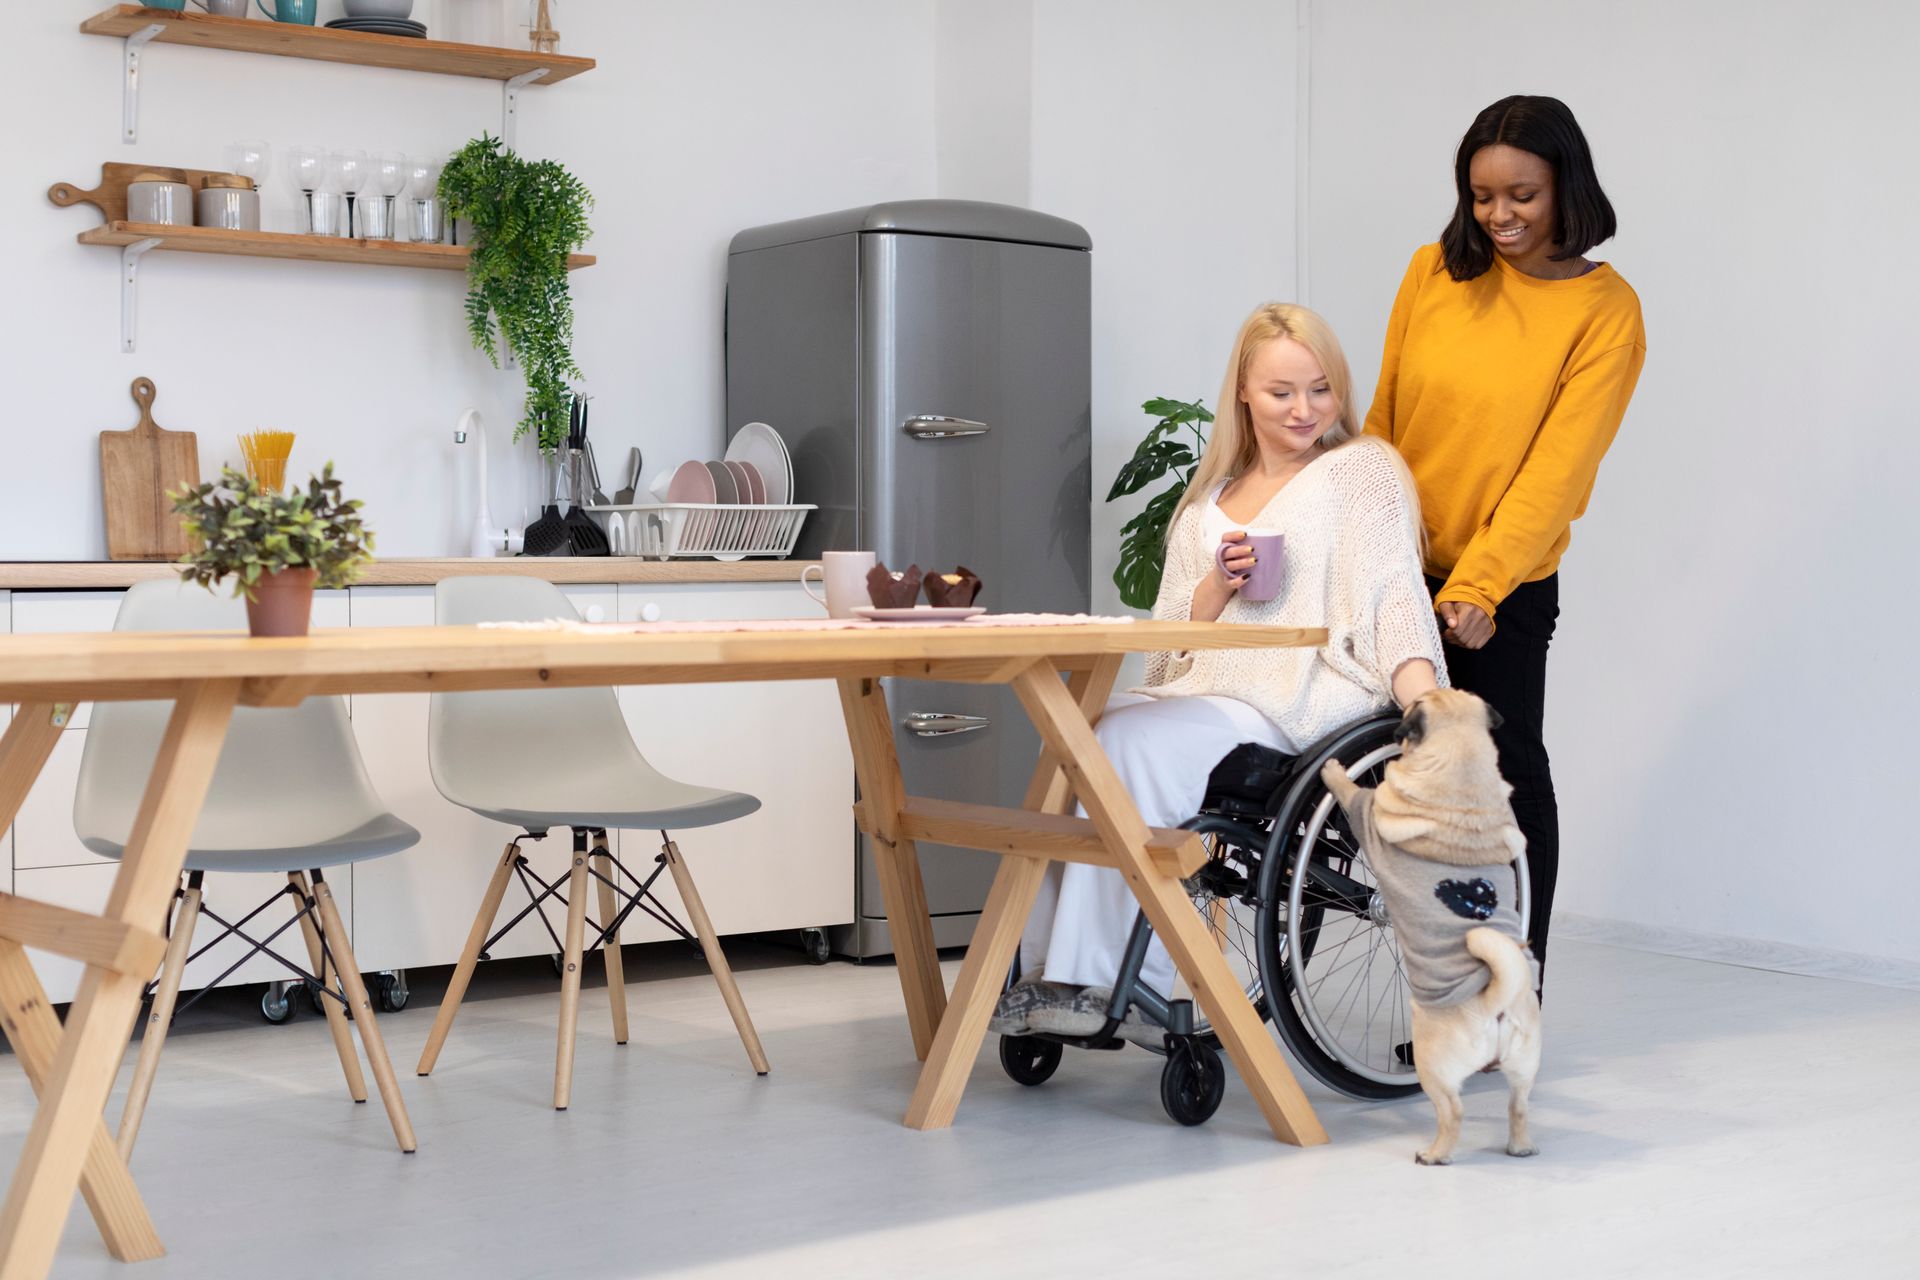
282	604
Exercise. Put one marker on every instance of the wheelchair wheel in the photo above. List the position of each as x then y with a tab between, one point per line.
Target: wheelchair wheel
1029	1059
1193	1082
1345	1009
1221	892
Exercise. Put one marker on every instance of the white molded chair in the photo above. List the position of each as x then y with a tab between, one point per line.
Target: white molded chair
290	797
543	758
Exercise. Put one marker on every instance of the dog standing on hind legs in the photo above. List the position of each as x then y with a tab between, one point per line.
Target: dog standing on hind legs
1440	837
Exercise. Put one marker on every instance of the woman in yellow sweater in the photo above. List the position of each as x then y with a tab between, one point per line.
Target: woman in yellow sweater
1510	359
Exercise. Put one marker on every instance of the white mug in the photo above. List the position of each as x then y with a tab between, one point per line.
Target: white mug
844	575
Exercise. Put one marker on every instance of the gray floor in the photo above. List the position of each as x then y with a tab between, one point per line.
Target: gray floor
1695	1120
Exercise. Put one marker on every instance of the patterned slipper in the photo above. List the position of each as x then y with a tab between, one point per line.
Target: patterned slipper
1013	1016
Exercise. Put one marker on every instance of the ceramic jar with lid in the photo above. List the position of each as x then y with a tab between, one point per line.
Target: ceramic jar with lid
159	198
228	201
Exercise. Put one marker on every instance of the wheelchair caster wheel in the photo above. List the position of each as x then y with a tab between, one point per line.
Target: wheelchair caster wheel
1192	1083
814	943
393	991
275	1008
1029	1059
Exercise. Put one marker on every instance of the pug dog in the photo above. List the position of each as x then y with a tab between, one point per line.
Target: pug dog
1440	837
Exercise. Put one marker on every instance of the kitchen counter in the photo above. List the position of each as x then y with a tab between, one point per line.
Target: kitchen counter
106	575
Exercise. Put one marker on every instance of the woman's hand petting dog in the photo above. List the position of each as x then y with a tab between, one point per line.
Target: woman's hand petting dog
1466	625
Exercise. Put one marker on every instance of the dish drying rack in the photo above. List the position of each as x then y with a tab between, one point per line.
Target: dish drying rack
676	530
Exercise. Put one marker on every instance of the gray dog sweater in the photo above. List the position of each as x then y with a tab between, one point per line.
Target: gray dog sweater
1432	906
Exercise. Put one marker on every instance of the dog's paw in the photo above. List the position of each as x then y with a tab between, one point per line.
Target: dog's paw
1522	1152
1333	773
1430	1161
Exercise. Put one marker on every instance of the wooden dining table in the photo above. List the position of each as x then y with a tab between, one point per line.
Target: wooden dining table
1062	674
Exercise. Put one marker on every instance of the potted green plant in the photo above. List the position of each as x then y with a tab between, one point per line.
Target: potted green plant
1143	539
527	217
275	548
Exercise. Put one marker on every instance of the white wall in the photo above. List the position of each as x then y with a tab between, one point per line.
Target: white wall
1728	708
1167	131
701	119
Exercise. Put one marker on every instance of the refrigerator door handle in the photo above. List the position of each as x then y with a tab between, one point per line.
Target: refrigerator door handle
935	426
941	724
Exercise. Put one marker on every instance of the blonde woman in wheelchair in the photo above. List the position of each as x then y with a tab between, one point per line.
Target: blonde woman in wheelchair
1285	456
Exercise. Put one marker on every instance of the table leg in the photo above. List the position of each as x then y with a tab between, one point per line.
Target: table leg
956	1046
94	1038
870	727
1064	728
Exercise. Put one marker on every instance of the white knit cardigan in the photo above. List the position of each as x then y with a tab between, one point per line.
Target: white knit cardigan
1352	566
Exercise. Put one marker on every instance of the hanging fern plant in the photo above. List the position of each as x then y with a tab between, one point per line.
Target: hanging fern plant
527	216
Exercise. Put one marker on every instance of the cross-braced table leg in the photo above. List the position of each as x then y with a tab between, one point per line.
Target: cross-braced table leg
937	1095
877	765
1064	728
68	1126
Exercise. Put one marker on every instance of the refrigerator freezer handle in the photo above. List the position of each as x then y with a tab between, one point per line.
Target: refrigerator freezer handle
940	724
934	426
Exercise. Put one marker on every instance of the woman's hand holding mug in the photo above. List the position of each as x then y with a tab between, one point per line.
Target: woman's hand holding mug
1233	561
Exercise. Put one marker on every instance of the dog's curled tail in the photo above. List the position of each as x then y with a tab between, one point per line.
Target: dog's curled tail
1512	974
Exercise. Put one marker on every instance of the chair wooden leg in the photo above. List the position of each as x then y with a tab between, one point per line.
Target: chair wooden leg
716	958
336	1015
469	957
609	910
570	978
356	993
159	1018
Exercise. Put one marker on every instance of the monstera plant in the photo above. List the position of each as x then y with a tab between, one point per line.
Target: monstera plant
1143	539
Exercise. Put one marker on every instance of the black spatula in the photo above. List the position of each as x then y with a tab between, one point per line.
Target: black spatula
588	538
547	536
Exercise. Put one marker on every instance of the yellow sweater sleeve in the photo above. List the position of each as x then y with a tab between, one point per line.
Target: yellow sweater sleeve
1380	412
1553	483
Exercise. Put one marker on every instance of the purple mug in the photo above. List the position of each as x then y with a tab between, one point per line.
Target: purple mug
1269	564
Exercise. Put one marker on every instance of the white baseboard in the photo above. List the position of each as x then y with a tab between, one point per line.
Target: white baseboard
1753	953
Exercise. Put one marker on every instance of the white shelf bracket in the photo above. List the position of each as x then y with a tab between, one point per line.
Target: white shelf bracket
130	83
510	103
129	291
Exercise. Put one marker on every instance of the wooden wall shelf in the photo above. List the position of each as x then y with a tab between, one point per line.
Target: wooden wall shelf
324	44
278	244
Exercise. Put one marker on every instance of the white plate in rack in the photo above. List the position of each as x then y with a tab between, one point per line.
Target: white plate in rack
761	446
919	613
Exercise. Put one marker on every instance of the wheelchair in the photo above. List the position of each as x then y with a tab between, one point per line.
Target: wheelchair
1287	894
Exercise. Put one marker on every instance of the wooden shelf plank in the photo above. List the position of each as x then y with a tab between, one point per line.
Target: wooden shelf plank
281	244
324	44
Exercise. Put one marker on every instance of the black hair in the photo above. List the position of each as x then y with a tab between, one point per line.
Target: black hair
1546	128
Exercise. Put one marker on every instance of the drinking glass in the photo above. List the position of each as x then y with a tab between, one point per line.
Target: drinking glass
423	188
251	160
348	171
386	178
307	171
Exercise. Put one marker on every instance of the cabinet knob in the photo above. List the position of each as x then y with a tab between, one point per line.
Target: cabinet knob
596	613
649	612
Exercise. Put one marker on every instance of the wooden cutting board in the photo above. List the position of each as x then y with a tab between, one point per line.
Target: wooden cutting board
137	468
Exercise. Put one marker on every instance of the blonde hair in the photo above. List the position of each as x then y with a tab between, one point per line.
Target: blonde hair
1232	447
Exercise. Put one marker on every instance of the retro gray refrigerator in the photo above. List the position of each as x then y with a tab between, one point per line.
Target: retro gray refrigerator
927	363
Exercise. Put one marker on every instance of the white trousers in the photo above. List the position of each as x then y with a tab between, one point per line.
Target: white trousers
1163	749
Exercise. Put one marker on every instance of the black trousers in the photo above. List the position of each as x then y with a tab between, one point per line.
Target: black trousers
1511	674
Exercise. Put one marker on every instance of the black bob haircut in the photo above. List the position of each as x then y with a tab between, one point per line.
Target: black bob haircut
1545	128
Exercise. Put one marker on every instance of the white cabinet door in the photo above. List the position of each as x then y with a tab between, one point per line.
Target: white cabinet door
415	908
791	864
50	612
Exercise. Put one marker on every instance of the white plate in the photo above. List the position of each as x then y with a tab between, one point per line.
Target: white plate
762	446
919	613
